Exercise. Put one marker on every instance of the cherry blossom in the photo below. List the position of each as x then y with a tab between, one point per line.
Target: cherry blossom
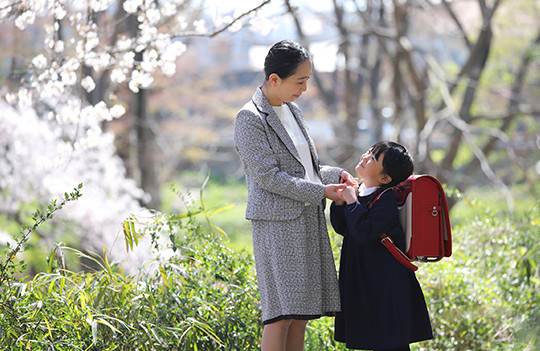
51	137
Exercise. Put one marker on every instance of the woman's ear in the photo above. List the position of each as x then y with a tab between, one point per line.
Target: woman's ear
274	79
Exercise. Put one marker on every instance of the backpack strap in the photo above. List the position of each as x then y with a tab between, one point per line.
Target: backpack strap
397	253
391	247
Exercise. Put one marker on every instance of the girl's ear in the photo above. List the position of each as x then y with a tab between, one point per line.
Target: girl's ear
274	79
385	179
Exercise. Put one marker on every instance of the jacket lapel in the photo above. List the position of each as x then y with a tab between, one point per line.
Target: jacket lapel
273	121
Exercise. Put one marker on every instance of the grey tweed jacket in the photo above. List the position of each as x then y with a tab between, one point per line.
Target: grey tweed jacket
275	175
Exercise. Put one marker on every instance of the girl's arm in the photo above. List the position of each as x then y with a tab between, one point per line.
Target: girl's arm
337	218
368	224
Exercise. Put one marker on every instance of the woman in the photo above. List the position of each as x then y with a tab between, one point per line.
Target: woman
296	275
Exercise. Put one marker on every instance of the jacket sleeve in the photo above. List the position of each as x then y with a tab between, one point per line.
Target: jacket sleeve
262	166
330	175
365	224
337	218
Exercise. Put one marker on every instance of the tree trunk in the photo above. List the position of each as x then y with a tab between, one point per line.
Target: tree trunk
146	148
145	138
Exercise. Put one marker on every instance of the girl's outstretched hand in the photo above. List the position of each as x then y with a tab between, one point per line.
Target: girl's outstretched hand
350	194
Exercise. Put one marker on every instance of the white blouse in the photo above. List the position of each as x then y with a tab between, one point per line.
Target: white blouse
289	122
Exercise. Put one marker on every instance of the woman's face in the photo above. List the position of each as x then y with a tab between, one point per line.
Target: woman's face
290	88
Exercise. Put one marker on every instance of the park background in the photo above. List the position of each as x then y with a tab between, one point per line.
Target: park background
122	198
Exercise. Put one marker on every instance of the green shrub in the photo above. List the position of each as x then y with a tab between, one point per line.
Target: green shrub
486	296
202	298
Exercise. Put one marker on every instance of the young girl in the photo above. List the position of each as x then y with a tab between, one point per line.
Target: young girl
296	275
383	307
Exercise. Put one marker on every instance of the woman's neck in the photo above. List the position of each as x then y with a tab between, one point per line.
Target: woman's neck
267	91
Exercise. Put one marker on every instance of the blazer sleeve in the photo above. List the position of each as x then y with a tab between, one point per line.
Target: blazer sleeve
365	224
258	155
330	174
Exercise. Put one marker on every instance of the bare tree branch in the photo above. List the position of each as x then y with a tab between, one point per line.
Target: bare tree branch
514	102
453	15
227	26
451	115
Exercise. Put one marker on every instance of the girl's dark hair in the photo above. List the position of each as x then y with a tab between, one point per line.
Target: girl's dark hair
397	161
283	59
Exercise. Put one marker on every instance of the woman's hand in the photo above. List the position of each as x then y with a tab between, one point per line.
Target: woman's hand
348	179
333	192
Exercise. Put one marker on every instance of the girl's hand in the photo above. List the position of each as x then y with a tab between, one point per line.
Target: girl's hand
350	194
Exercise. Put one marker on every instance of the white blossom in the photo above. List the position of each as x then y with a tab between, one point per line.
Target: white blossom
118	76
24	98
168	68
11	98
64	148
140	79
68	77
127	60
149	62
52	89
99	5
59	46
25	19
88	84
5	8
98	61
59	12
117	111
131	6
168	9
200	26
182	23
92	40
262	25
124	43
235	27
147	33
173	51
162	42
40	61
153	15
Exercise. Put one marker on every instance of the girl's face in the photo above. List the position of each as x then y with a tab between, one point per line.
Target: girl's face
290	88
371	170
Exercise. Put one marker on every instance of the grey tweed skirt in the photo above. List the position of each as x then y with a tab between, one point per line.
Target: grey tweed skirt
295	268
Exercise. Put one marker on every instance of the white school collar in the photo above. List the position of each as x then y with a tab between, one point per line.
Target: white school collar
367	191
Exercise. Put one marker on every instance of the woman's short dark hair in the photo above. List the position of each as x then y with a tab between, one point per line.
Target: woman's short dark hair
397	161
283	59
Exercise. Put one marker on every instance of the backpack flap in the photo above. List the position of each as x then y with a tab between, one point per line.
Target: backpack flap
430	226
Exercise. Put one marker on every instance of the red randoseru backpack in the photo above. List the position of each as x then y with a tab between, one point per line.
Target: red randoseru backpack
424	218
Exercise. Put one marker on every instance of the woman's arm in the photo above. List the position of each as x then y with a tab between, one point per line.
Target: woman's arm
260	163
